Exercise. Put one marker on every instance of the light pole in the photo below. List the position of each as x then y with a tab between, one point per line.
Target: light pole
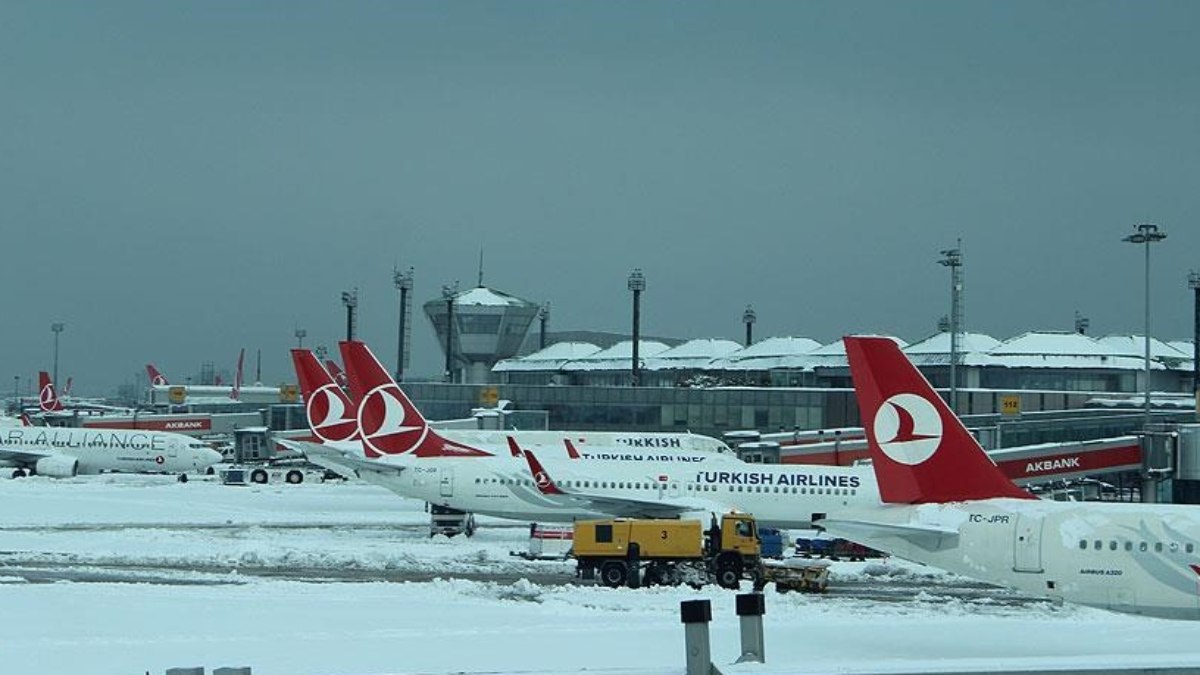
404	284
1081	323
953	258
543	319
300	334
1146	234
17	393
637	284
57	328
448	293
748	318
1194	284
350	300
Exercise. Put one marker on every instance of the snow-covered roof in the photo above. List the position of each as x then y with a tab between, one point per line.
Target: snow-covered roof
1185	346
551	358
482	295
940	344
693	354
832	355
1135	345
935	350
1060	350
616	357
765	354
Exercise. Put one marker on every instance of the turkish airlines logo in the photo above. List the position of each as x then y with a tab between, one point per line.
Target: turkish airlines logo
542	480
326	412
386	425
47	398
159	381
908	429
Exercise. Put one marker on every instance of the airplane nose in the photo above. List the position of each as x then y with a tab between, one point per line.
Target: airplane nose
211	457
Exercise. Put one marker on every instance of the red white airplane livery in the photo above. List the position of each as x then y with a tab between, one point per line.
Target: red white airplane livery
948	505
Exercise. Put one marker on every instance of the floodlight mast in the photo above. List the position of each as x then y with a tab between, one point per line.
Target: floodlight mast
953	258
637	284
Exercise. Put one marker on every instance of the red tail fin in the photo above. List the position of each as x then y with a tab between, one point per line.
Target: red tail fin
330	413
388	422
571	451
25	421
543	481
156	378
513	448
920	450
236	393
338	375
47	397
67	389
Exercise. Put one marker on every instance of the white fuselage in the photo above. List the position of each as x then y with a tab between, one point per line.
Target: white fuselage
1136	558
778	496
100	450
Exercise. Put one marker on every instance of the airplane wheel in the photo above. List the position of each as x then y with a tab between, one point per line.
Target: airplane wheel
18	473
295	477
613	574
258	476
183	478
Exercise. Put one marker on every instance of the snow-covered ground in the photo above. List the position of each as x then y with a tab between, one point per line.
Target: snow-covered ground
129	574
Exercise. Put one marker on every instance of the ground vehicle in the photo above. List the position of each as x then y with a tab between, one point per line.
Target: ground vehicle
669	551
771	540
261	474
448	521
807	577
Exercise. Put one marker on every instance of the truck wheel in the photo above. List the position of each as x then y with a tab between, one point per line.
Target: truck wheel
258	476
614	573
295	477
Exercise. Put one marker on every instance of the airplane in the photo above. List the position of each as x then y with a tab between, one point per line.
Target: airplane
947	505
212	393
60	452
52	405
395	448
331	407
338	374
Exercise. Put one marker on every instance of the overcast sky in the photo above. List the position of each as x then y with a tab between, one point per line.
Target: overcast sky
182	179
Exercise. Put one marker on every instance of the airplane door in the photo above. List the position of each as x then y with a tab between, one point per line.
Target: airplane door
446	478
1027	544
173	448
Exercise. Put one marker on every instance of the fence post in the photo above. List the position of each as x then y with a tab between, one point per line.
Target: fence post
750	609
696	614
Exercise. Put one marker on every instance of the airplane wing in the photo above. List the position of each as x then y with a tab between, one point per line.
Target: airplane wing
343	463
620	507
22	457
927	537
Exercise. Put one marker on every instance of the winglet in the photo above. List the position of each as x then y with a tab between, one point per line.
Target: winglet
920	450
25	421
543	481
47	397
571	451
236	392
514	448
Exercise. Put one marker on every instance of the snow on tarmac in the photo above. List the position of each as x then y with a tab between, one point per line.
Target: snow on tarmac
202	607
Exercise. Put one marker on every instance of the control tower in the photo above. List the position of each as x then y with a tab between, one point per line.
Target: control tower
489	325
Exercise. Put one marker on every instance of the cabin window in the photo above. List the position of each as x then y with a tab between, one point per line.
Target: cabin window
1142	547
1129	546
1158	547
1097	544
1174	547
1083	544
1190	548
1112	545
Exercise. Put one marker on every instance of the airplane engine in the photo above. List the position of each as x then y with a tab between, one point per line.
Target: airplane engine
57	467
